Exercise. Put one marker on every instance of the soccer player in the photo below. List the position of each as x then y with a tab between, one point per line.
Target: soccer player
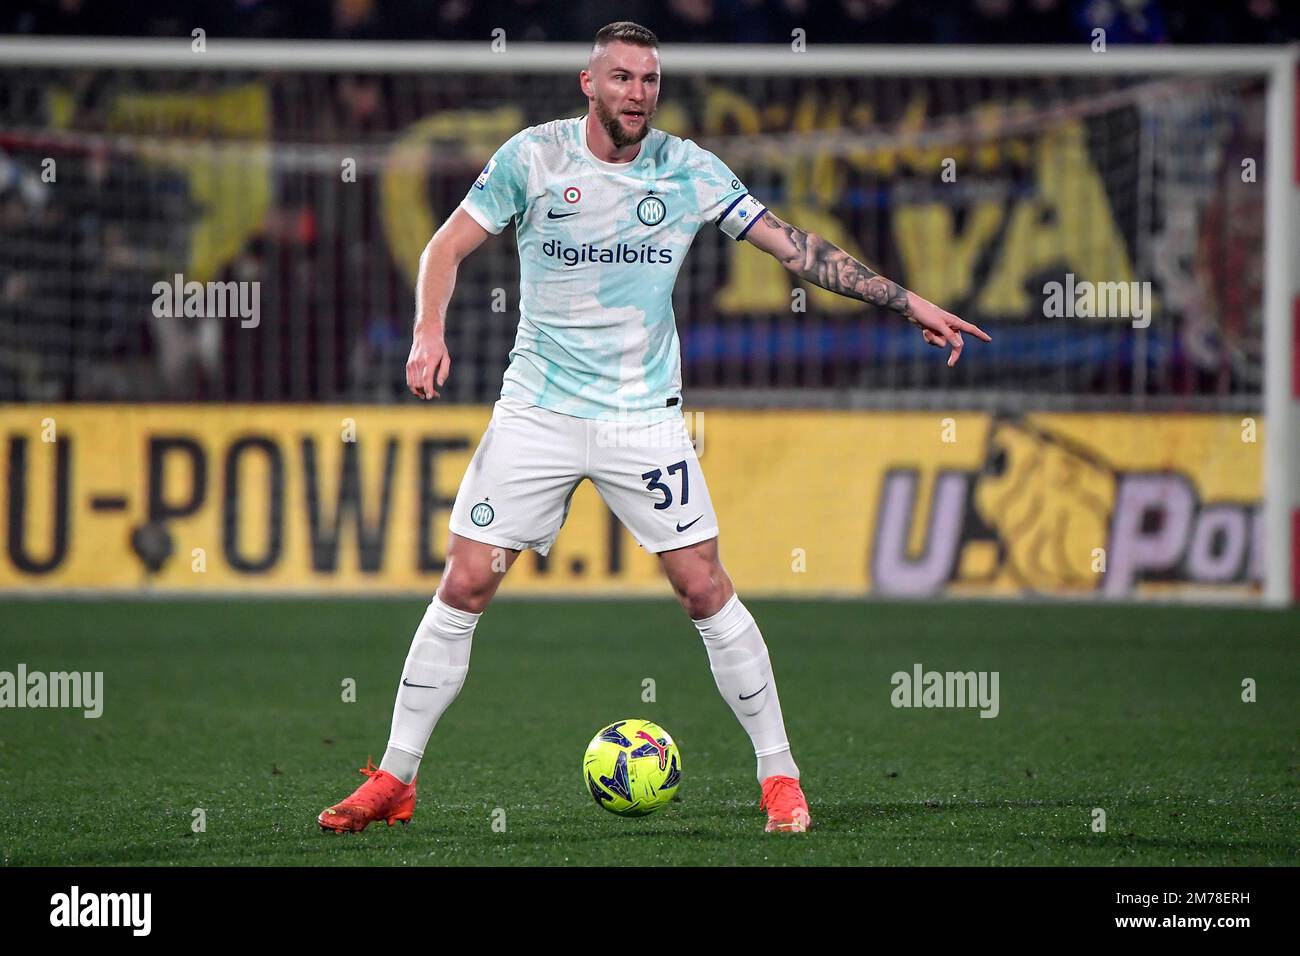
605	208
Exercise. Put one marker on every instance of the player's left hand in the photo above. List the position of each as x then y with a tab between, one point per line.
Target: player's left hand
940	328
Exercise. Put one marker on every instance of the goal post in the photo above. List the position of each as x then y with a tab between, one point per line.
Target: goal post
1282	337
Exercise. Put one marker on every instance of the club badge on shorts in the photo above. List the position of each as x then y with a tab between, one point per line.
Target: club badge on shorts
482	514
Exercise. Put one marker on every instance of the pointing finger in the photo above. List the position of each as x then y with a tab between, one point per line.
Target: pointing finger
973	329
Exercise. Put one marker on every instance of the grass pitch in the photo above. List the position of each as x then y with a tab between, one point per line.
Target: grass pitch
236	708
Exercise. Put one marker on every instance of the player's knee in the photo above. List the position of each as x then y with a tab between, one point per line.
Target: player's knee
466	591
703	591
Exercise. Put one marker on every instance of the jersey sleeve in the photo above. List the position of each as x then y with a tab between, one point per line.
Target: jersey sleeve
501	191
723	197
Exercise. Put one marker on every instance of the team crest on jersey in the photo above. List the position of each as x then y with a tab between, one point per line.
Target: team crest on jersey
482	514
651	210
572	195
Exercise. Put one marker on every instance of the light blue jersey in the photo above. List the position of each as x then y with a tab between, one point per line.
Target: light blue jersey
599	248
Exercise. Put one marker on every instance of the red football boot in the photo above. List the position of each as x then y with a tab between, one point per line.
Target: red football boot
787	808
382	797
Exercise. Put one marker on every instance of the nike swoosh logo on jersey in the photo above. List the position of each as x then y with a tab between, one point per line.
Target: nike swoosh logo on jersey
682	527
550	214
407	683
755	694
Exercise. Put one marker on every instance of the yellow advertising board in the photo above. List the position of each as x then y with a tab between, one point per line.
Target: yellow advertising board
348	499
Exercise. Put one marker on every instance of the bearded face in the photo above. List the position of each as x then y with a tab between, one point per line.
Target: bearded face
625	90
626	126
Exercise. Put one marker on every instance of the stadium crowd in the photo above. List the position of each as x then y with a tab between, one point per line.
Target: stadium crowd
711	21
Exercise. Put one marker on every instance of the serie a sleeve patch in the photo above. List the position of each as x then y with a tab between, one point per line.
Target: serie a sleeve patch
740	216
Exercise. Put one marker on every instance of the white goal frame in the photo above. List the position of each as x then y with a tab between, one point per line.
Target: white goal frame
1276	64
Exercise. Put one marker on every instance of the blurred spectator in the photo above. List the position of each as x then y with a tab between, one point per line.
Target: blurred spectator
1001	22
64	18
770	21
875	21
355	20
685	21
1125	21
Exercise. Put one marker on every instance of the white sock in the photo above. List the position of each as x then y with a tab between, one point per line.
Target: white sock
438	662
743	673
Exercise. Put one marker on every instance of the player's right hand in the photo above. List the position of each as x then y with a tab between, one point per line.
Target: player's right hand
428	364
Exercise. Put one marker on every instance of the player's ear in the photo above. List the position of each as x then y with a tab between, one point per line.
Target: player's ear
584	83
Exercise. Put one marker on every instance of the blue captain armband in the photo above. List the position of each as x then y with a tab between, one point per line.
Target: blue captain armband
740	216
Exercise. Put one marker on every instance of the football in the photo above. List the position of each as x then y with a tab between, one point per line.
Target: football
632	768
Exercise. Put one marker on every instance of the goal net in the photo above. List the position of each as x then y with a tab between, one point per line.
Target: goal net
1106	225
1135	200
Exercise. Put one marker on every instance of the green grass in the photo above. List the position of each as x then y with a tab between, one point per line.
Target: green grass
236	708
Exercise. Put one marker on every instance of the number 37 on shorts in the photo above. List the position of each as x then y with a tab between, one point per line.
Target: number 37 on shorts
517	489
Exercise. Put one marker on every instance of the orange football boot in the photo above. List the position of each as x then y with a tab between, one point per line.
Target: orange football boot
382	797
787	808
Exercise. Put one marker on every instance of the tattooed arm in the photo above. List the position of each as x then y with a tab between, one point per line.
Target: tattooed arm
825	264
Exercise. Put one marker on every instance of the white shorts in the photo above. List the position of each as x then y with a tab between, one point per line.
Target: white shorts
517	489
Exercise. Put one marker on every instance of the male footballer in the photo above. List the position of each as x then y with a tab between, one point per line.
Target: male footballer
605	208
